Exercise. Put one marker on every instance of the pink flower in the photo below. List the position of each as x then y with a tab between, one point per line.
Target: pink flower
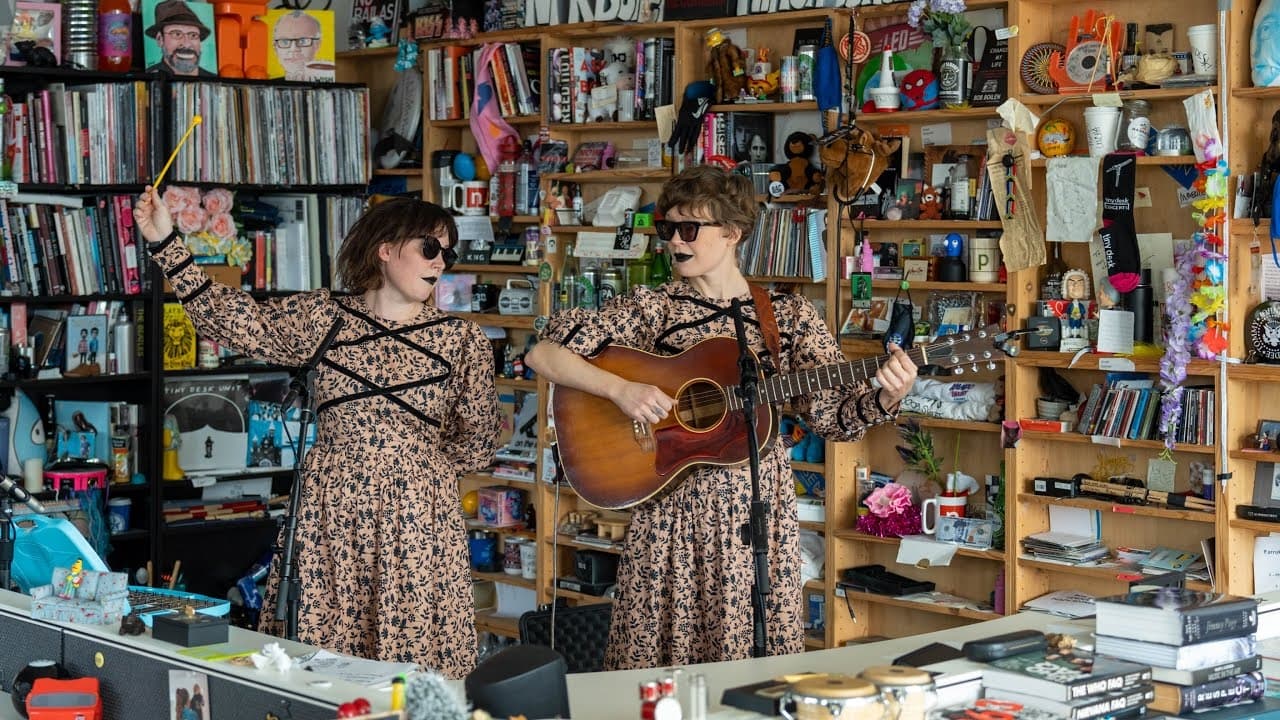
891	499
175	199
219	200
190	220
223	225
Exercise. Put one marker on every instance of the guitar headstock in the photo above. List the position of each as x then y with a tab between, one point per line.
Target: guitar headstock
972	350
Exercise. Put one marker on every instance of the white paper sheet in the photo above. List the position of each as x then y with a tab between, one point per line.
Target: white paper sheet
1072	188
923	551
353	669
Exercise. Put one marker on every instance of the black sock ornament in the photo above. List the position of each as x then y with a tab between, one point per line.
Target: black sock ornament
1119	238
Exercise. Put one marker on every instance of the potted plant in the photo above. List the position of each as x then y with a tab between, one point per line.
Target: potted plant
923	468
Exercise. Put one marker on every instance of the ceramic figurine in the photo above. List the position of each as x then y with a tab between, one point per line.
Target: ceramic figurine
1075	285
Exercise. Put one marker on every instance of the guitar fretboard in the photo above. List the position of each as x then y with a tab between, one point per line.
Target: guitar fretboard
782	387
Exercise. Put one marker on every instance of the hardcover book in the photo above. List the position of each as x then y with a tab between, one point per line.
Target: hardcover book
1063	675
1176	616
1179	699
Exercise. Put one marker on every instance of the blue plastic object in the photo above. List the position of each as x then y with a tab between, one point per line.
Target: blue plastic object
46	543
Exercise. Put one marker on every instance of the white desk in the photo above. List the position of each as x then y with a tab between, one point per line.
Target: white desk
611	695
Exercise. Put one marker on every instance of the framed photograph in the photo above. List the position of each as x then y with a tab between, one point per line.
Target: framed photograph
911	249
86	342
940	161
37	22
915	269
751	136
1269	429
179	38
187	694
301	46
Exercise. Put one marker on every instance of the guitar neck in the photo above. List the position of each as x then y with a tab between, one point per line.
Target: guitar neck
783	387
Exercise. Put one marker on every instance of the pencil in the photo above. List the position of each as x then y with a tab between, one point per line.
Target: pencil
195	120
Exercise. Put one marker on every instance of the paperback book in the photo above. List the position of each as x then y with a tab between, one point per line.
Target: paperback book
1063	675
1176	616
1178	657
1206	673
1094	706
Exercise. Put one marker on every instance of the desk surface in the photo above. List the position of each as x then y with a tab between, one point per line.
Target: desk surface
607	695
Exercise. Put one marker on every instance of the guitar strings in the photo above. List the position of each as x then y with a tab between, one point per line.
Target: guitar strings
706	396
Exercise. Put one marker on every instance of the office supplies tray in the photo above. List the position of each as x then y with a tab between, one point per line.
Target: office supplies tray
876	579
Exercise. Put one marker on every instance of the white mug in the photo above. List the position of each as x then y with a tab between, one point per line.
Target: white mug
952	505
470	197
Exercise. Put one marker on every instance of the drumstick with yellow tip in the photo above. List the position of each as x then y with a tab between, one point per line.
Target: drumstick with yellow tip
195	120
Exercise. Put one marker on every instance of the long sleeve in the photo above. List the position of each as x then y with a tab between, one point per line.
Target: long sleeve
633	319
841	413
281	330
472	437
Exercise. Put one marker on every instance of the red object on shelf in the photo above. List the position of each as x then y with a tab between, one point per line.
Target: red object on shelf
115	35
52	699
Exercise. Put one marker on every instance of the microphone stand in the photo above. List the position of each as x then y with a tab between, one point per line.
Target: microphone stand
8	539
301	386
756	530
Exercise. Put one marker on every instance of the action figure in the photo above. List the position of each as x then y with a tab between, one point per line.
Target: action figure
71	583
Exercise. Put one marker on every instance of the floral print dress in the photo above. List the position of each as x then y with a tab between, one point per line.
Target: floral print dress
685	577
403	409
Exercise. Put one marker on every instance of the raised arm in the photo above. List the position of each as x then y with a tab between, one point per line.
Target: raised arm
281	330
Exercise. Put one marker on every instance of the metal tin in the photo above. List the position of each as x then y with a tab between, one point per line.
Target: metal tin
806	60
788	78
611	284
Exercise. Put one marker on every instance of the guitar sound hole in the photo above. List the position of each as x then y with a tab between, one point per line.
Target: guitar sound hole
701	405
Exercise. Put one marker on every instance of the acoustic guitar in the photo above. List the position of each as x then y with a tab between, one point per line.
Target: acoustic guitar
614	462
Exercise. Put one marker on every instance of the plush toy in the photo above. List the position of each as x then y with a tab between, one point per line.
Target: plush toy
620	69
798	174
930	203
725	67
854	158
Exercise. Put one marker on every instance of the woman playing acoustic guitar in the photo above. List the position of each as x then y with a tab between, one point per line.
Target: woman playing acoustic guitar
685	578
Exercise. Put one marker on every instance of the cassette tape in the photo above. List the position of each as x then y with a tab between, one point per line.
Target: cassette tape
970	532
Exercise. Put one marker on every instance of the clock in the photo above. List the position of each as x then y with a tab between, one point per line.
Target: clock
1264	332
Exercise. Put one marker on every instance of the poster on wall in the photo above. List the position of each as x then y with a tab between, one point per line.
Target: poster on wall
179	38
302	45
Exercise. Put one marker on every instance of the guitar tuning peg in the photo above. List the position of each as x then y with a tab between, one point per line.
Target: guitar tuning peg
958	370
991	365
974	367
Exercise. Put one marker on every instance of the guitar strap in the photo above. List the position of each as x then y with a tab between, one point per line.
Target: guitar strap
768	324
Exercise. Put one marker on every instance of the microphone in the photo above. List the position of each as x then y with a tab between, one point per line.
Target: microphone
19	493
295	388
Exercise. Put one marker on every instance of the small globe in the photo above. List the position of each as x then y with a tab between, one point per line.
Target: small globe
1056	138
470	503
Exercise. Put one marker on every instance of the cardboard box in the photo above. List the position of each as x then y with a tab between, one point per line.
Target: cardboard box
501	506
225	274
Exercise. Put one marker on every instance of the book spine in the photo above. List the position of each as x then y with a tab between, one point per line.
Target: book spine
1115	704
1179	699
1218	622
1091	685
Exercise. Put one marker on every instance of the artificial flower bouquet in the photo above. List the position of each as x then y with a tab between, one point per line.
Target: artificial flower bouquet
891	512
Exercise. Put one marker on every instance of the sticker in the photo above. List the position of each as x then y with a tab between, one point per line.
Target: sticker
544	271
1005	33
1116	364
99	660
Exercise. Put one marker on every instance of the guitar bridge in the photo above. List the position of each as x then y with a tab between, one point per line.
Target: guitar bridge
642	433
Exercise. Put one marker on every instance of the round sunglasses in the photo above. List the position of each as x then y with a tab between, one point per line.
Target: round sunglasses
688	229
431	249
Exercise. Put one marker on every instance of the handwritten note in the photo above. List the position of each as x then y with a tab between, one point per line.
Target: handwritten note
353	669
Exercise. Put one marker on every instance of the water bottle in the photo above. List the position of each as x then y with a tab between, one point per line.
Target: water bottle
524	167
123	341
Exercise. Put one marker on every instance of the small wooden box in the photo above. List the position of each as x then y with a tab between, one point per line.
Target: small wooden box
192	631
225	274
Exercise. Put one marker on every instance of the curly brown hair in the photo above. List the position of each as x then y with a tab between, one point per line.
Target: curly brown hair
395	221
727	197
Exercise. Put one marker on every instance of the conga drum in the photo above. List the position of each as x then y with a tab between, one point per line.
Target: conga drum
908	692
833	697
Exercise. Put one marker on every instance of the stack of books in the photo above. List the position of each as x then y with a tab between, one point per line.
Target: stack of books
1070	683
1200	645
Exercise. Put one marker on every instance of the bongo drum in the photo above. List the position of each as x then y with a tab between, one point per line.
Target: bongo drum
908	692
833	697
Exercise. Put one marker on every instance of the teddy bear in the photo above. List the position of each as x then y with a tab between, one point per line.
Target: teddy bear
930	203
725	67
798	174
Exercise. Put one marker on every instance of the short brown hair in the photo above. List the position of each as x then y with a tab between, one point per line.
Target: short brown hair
395	221
728	197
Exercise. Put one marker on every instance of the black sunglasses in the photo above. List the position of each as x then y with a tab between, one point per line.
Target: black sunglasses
431	249
689	229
